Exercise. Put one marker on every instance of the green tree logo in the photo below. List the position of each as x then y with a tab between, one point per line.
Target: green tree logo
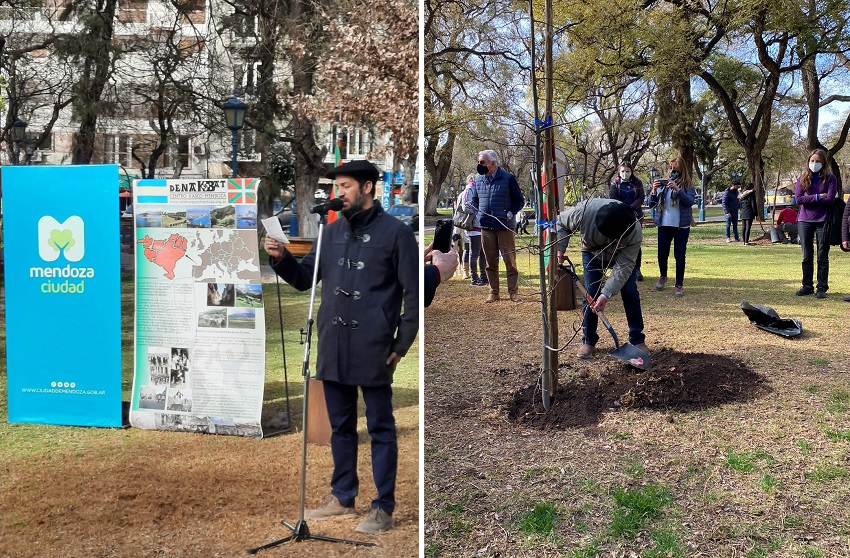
66	239
60	240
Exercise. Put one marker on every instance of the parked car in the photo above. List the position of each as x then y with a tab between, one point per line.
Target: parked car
406	213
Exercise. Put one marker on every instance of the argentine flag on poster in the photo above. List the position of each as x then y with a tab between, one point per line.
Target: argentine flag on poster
151	191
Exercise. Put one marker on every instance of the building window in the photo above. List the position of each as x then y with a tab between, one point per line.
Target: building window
178	153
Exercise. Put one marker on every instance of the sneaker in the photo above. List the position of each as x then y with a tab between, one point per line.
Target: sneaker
514	297
492	298
845	298
474	282
330	508
728	239
680	291
639	276
820	294
660	284
586	351
803	291
376	522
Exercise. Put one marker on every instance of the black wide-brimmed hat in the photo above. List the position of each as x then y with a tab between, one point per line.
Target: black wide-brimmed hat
360	169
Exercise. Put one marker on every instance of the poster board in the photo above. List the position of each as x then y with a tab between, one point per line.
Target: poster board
199	359
63	294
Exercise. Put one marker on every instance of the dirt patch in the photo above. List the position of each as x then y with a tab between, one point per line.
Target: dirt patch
676	382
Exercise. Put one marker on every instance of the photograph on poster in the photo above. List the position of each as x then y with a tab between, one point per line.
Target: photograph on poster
241	318
198	217
179	367
158	369
213	318
221	294
179	399
152	397
249	296
174	218
223	217
149	218
246	216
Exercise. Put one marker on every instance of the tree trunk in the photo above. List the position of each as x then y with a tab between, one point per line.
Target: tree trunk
307	155
437	165
96	72
409	165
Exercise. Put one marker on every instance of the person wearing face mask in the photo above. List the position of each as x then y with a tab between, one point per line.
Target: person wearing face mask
498	199
368	319
628	188
815	192
673	200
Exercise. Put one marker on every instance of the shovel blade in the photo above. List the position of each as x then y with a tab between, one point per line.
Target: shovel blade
631	354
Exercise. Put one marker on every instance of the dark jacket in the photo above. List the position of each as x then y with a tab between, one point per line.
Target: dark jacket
494	201
747	205
432	279
630	193
730	201
368	266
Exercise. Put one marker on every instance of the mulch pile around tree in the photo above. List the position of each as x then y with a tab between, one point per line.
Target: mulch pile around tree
676	382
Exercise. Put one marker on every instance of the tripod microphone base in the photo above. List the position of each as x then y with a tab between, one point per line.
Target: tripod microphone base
301	532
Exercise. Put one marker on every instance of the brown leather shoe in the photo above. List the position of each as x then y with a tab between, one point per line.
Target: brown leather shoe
642	347
515	297
586	351
492	298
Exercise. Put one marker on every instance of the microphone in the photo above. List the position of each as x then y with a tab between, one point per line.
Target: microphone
322	208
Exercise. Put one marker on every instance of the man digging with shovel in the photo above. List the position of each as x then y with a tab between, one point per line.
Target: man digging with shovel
610	238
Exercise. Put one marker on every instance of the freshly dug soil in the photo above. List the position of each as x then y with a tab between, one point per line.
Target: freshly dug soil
676	382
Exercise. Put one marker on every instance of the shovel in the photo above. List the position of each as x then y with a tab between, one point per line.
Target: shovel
625	352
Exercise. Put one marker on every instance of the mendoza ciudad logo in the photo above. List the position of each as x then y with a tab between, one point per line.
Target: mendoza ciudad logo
66	241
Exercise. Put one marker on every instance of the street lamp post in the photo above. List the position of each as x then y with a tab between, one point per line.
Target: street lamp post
234	116
17	135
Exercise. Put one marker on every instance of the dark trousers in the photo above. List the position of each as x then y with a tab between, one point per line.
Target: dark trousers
679	238
476	256
341	401
789	228
593	271
732	222
812	236
746	228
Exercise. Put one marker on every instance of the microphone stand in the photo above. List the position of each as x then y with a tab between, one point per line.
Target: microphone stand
300	531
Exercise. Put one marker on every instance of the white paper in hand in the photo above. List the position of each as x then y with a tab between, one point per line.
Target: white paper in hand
274	230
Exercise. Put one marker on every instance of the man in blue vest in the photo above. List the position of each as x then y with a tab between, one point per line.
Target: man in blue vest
498	199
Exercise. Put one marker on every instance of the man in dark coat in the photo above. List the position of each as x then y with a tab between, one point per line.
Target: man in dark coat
369	265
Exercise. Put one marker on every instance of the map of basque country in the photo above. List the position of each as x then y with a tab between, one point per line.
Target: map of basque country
205	255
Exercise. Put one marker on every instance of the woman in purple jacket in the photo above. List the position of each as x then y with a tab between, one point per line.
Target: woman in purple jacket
815	192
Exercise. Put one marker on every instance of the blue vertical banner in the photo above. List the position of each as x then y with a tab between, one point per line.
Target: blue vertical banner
387	190
63	294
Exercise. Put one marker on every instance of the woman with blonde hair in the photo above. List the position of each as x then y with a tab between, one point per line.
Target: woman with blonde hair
673	199
815	192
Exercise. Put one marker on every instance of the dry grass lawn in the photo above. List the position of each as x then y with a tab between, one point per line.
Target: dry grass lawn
765	476
113	493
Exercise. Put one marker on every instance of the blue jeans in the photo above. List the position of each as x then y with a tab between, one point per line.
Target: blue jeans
679	238
732	222
341	401
811	233
593	271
